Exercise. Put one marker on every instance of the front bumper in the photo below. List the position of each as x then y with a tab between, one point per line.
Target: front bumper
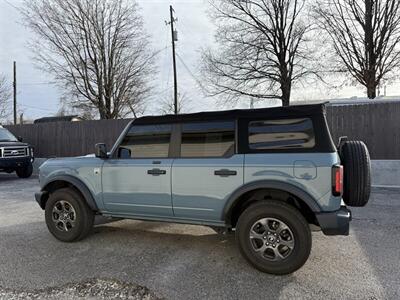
336	222
41	198
14	163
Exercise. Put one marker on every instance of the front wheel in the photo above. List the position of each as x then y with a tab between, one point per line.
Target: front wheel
25	172
68	217
274	237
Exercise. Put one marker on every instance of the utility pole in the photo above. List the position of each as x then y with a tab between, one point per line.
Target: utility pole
174	37
15	93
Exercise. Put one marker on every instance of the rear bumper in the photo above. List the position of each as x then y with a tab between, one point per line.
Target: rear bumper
14	163
336	222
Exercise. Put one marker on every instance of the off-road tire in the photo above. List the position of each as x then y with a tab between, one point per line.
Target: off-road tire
84	216
291	217
25	172
357	173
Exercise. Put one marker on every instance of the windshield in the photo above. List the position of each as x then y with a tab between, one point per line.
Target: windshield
6	136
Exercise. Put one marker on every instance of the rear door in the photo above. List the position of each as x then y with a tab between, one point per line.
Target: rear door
137	181
207	170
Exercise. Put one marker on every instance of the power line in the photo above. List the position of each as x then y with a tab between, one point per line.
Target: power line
12	5
38	83
190	72
35	107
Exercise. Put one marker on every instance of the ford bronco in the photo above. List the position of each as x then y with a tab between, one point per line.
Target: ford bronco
15	156
269	175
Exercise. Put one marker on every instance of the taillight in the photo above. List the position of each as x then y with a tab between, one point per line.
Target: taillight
337	180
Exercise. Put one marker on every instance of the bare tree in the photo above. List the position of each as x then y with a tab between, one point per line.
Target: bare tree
67	110
5	94
365	36
96	49
168	107
262	49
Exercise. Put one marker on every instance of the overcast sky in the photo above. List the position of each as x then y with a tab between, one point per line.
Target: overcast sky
37	98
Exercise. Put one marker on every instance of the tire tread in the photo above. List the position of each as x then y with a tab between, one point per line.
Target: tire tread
292	215
357	173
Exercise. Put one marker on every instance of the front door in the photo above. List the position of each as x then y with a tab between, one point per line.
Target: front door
137	179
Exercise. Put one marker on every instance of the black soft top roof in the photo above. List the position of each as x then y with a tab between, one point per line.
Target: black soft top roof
57	119
273	112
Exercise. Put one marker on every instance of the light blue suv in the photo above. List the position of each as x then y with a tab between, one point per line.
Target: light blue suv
266	174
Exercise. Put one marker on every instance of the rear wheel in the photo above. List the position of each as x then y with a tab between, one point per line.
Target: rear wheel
274	237
68	217
25	172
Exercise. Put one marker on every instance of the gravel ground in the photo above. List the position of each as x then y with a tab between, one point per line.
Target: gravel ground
145	260
90	289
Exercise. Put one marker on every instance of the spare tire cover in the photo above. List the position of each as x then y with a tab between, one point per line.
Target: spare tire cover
357	173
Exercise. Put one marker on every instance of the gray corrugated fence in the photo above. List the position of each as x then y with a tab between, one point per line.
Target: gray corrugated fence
377	124
62	139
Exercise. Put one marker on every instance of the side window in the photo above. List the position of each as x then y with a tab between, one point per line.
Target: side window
281	134
147	141
208	139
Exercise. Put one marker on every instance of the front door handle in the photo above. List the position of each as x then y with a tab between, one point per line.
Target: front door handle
225	173
156	172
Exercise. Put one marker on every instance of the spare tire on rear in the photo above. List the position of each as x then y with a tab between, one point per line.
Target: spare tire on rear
357	173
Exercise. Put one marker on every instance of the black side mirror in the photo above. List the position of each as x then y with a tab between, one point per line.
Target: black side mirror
124	153
101	151
19	138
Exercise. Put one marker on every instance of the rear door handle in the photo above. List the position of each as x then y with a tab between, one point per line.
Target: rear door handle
225	173
156	172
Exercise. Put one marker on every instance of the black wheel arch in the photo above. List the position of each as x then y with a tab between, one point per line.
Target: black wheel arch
63	181
237	199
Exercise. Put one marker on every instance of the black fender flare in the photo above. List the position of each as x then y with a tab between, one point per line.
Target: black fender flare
77	183
234	198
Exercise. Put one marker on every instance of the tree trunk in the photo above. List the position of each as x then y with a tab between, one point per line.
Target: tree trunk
286	89
370	73
285	97
371	91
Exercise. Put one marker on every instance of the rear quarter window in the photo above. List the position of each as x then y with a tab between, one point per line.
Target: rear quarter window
282	134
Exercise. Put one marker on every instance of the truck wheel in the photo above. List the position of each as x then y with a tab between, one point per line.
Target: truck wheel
357	173
25	172
68	217
274	237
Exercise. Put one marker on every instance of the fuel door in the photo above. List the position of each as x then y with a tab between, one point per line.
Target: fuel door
304	169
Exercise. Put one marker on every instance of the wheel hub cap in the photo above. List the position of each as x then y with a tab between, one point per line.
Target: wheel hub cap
64	215
272	239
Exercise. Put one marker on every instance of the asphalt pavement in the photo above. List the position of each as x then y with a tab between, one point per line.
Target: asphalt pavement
149	260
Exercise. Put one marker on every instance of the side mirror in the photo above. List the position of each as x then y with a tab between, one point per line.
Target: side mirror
101	150
124	153
19	138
